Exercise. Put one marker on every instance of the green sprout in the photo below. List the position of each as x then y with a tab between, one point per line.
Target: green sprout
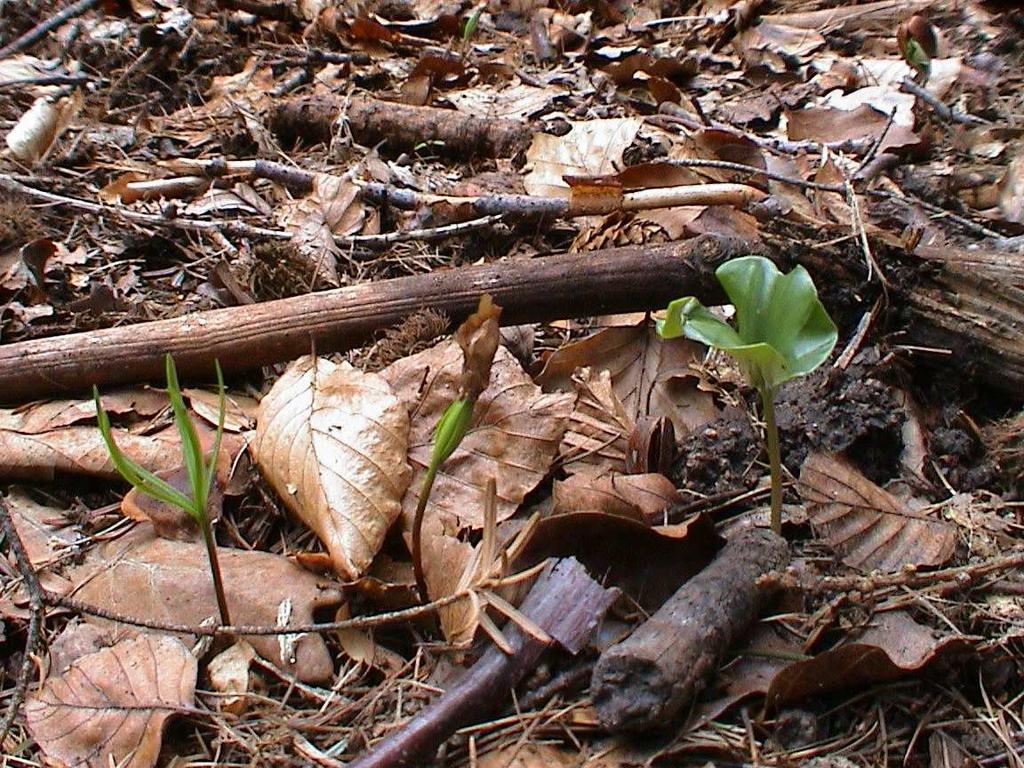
470	25
448	433
200	471
783	331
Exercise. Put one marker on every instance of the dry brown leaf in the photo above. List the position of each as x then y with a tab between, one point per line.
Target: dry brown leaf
332	208
332	442
229	674
517	102
651	376
147	577
110	707
513	437
641	497
865	524
597	436
45	531
591	148
826	124
49	415
478	338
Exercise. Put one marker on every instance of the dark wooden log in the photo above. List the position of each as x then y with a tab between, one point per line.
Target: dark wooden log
647	679
312	120
243	338
565	602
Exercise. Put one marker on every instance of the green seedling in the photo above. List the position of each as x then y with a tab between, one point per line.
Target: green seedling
470	25
200	470
448	434
782	332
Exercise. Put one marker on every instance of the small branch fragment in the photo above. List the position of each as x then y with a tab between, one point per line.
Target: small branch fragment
565	602
647	679
311	120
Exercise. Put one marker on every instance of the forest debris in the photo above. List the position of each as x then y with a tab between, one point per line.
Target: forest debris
149	578
35	132
312	119
332	442
651	376
229	674
513	437
45	532
564	602
598	432
865	524
646	680
110	707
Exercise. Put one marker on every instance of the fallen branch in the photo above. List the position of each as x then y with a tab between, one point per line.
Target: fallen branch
40	30
565	602
243	338
312	120
647	679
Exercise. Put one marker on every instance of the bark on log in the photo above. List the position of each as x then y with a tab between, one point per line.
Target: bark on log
311	120
243	338
646	680
974	307
565	602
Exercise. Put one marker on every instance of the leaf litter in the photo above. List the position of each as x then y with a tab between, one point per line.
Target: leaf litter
159	128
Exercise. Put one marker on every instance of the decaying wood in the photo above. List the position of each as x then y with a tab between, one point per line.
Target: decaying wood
969	307
314	120
565	602
243	338
973	306
646	680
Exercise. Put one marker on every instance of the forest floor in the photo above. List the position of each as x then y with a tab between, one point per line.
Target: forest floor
317	193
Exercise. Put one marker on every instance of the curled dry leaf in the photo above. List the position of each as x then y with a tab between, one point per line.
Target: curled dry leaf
36	130
478	338
513	437
640	497
146	577
867	525
51	415
45	531
651	376
110	707
332	442
229	675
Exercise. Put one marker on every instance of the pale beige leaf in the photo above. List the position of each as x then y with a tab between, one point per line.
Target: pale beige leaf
641	497
229	674
597	436
332	441
516	102
110	707
867	525
513	437
591	148
151	578
651	376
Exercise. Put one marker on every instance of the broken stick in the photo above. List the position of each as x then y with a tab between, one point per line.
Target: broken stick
646	680
565	602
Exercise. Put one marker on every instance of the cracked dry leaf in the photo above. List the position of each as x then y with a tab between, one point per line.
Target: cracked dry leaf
147	577
110	707
868	526
49	415
332	442
651	376
513	437
643	497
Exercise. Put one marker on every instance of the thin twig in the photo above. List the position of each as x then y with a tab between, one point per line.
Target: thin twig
36	606
943	112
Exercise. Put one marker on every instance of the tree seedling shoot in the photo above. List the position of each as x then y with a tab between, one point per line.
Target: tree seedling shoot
200	470
782	331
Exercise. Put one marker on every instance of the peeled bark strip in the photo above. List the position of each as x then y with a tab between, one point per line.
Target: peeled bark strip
243	338
311	120
565	602
647	679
